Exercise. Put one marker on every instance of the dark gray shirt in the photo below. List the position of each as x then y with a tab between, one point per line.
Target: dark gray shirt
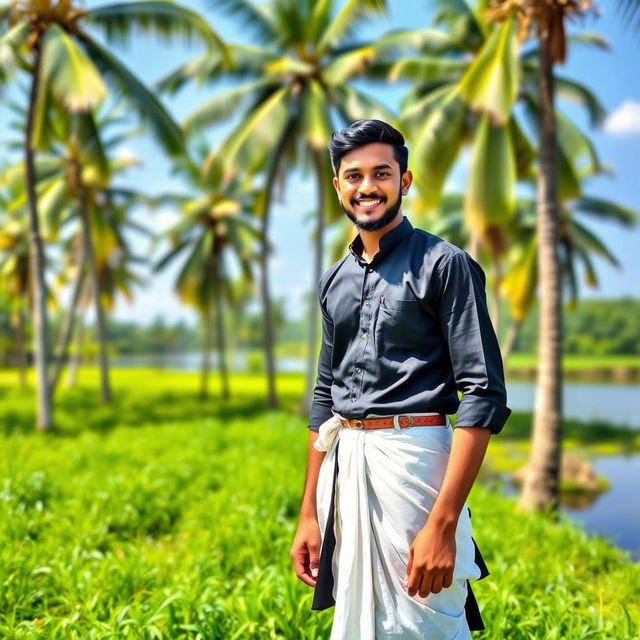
406	332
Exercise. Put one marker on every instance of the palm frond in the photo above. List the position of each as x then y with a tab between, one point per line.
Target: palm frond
630	13
606	210
166	19
223	106
250	143
586	239
12	44
356	105
257	17
71	76
491	82
576	92
148	107
347	19
248	61
423	69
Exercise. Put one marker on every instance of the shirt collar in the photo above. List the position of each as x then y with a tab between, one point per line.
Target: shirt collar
387	242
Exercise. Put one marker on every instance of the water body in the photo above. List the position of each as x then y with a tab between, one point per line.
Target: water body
613	403
614	514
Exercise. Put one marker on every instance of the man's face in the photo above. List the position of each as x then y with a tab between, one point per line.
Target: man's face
370	187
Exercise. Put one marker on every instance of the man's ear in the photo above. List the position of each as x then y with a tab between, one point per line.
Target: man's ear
336	186
405	182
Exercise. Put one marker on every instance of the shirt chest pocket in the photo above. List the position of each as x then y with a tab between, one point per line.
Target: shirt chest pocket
400	325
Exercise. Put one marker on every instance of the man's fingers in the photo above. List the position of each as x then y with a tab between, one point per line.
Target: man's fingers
306	569
303	571
436	586
314	558
425	585
413	582
410	563
447	581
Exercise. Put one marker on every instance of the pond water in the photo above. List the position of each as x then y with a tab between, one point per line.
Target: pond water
614	514
612	403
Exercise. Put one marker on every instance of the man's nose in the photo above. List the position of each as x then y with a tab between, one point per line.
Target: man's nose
367	186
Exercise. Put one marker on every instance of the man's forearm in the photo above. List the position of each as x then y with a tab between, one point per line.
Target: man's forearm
314	461
468	449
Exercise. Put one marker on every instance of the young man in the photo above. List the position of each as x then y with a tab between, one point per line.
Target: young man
384	531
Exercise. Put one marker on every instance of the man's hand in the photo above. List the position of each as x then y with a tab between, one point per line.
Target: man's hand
305	551
432	558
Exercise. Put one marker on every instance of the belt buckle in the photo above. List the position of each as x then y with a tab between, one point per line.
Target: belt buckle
409	423
356	424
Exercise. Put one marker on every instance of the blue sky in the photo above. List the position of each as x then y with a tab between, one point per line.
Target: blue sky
612	75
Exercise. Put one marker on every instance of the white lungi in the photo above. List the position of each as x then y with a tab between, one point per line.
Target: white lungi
387	483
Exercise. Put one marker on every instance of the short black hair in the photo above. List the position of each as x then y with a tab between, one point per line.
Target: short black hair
362	132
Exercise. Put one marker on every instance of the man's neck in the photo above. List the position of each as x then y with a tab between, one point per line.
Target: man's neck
371	239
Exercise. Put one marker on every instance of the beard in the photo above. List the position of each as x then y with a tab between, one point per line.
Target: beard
372	225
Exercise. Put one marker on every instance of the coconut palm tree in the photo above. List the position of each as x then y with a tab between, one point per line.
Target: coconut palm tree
216	226
67	64
79	171
15	253
578	247
466	85
545	20
14	283
293	86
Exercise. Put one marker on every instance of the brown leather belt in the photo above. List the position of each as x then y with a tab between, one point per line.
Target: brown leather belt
402	421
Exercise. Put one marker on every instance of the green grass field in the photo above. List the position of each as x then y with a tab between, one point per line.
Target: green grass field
166	517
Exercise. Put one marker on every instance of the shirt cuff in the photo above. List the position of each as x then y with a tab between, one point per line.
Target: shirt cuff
319	413
482	412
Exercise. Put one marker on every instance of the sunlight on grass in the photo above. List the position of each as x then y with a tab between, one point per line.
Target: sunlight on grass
165	517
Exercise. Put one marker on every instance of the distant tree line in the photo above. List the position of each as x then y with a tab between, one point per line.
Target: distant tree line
597	327
127	338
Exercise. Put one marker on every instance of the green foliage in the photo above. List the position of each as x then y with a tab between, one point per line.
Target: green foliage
595	328
164	517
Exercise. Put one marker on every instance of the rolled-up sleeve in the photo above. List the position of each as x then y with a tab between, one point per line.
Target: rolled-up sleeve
473	346
321	406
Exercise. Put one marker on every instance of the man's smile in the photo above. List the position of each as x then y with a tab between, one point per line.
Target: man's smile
368	204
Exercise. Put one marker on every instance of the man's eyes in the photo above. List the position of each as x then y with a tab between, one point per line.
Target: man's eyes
357	176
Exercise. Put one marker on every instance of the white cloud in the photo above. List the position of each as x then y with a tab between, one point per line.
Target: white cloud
164	220
126	153
625	119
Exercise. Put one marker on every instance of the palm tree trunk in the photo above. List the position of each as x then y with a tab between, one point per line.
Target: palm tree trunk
67	328
541	486
269	334
105	386
206	351
21	347
219	320
511	339
76	356
312	336
44	420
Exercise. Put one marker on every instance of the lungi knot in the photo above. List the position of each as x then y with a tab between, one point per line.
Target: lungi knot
327	432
